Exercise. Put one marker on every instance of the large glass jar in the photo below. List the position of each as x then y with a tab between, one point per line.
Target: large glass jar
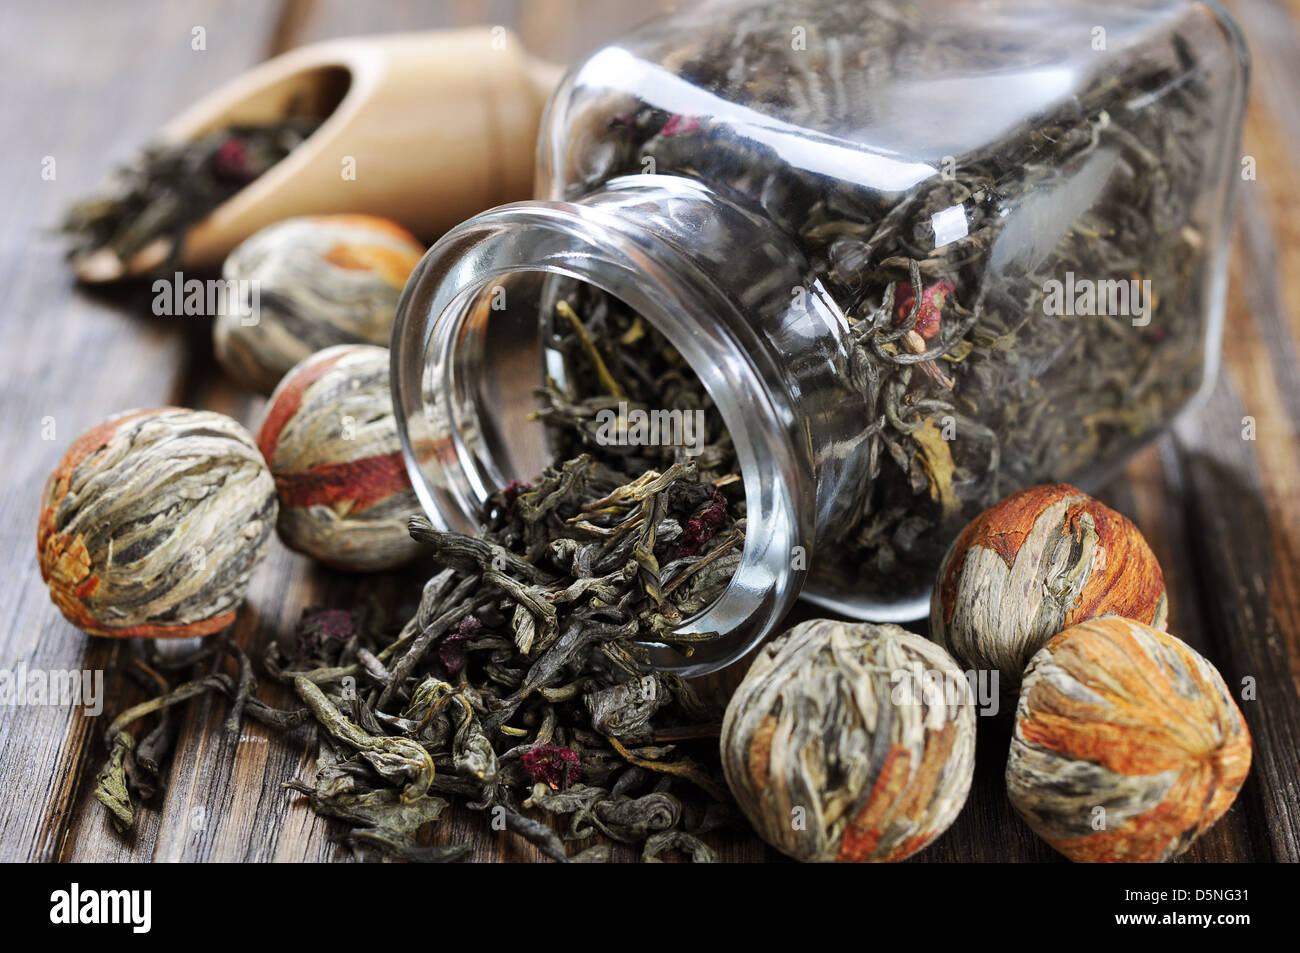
920	254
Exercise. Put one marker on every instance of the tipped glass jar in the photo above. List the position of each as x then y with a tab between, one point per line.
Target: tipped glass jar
918	255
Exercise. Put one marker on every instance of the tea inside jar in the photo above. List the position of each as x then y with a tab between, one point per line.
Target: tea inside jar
1025	300
643	501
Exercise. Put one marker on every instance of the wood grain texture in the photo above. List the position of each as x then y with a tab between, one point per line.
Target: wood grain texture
86	84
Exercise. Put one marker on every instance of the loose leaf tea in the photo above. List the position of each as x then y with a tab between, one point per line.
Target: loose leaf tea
522	683
171	187
133	770
622	374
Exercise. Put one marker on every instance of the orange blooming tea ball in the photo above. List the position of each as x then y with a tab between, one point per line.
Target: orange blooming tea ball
152	523
1127	744
850	742
307	284
1041	560
332	443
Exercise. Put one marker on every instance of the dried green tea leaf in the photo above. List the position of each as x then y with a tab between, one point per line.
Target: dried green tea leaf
689	844
110	784
393	758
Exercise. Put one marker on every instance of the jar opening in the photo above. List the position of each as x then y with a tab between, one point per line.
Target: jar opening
471	347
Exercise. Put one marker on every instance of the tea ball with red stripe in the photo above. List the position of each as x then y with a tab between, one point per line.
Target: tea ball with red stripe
850	742
331	441
1127	745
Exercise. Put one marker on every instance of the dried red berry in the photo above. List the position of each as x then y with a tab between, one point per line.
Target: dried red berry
231	160
451	652
679	123
513	489
700	528
318	627
552	765
932	301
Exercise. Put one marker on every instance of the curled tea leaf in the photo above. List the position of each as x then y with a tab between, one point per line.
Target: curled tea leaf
689	844
110	784
393	758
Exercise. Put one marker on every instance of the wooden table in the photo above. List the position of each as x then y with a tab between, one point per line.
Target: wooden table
87	82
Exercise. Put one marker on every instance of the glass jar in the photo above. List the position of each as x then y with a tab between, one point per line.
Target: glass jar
919	255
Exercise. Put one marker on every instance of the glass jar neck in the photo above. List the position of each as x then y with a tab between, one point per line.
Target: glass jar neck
721	284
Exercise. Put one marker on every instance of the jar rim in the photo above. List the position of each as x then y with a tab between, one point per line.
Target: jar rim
662	284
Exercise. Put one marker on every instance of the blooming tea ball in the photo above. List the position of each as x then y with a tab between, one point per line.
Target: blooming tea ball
1127	744
315	282
152	523
850	742
331	440
1041	560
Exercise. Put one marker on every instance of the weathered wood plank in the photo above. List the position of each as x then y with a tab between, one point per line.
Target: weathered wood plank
76	88
1238	490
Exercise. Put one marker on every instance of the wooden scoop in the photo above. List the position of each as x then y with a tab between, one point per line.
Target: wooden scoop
435	126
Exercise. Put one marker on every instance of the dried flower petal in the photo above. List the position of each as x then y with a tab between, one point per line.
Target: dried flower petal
319	627
702	527
230	161
451	652
678	123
